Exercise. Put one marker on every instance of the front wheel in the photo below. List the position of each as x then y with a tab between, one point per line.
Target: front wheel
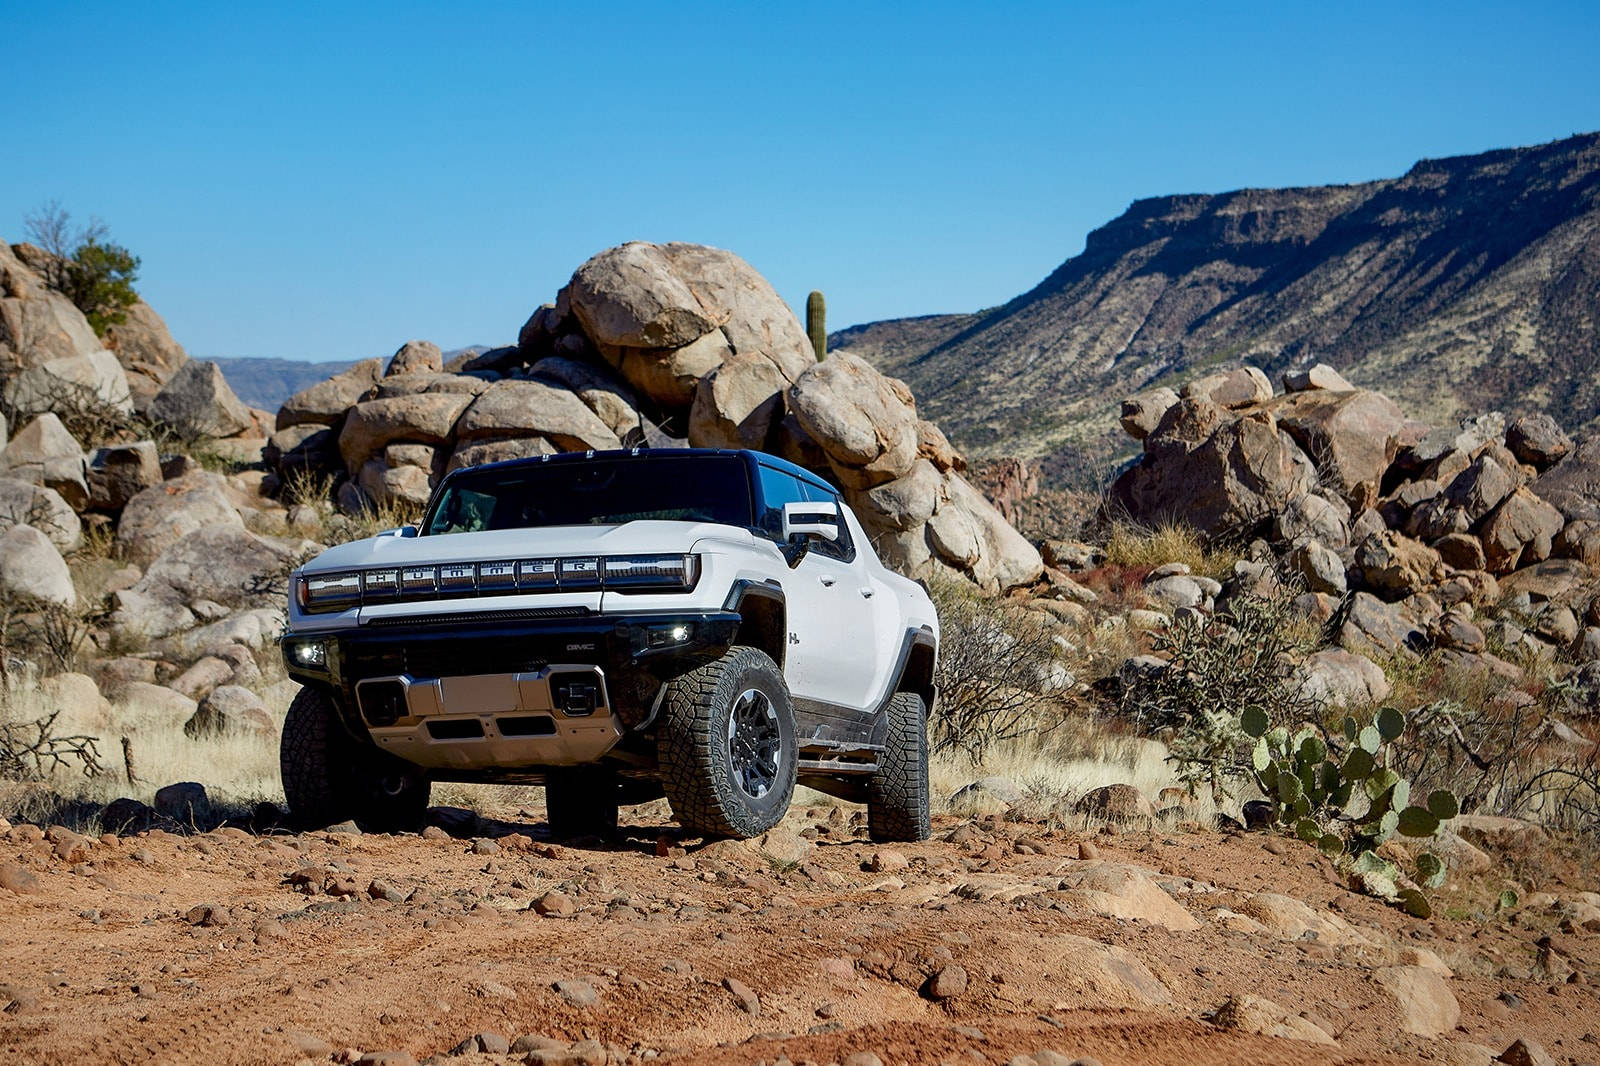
329	777
897	794
726	745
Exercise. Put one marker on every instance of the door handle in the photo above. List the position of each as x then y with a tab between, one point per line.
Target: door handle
867	593
827	582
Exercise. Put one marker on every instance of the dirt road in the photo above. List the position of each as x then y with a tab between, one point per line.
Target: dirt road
996	941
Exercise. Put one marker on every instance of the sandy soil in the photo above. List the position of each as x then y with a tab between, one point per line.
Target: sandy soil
229	947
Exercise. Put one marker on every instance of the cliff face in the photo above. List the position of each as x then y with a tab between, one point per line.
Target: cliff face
1469	283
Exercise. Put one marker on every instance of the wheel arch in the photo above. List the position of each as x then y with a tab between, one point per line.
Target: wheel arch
763	617
920	659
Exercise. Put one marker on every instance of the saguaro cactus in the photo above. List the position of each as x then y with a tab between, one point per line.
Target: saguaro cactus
817	324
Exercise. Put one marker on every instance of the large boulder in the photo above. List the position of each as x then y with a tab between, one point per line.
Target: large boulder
24	503
413	382
534	409
385	484
31	567
423	418
303	446
37	324
1522	530
1481	487
748	311
633	296
120	472
899	505
1319	376
160	516
967	534
1141	414
230	709
1537	440
1222	475
1242	387
202	577
146	350
665	316
415	357
1315	517
72	382
606	394
198	402
477	453
1573	484
1338	678
1373	627
44	453
326	402
1352	437
1397	566
737	404
865	423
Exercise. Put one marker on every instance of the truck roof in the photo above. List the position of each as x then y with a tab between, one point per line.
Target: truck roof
645	455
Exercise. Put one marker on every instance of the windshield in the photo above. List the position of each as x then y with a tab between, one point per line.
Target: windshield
596	492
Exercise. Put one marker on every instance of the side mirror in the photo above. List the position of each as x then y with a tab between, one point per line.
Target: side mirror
811	520
802	522
403	532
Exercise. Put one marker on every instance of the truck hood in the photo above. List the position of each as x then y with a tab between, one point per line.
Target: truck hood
630	538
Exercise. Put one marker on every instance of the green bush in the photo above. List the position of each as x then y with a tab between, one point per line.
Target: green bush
99	280
85	266
1242	659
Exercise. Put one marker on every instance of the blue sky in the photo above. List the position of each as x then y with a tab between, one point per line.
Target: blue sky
326	181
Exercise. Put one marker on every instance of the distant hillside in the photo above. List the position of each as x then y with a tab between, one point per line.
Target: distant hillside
1469	283
266	383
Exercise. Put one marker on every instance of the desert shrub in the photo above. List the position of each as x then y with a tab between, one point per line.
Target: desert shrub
85	266
1242	659
33	751
83	411
998	673
50	635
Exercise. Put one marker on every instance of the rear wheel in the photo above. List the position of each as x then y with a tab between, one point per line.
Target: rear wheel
329	777
582	802
726	745
897	794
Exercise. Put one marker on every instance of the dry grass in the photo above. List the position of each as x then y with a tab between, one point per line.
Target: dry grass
1079	758
238	770
1133	547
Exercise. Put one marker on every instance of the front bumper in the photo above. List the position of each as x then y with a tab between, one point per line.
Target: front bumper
514	676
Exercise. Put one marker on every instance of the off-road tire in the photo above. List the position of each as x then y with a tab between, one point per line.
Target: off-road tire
329	777
582	802
697	757
897	794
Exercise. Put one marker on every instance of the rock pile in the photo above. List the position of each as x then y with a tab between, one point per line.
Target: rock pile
1402	533
664	345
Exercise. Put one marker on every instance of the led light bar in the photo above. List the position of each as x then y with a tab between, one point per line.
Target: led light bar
342	590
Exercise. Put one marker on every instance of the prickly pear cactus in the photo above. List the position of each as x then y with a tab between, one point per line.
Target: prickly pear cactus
1339	793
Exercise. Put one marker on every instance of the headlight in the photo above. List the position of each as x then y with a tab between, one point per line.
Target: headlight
329	592
310	653
652	571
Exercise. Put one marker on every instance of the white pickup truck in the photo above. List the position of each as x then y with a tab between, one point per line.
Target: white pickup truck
713	626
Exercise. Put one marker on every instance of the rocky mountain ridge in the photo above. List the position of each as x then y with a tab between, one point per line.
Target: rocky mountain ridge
1467	284
267	381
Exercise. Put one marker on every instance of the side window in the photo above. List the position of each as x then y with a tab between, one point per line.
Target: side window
777	489
842	549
